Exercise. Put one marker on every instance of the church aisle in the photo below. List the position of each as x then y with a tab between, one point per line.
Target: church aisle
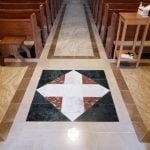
74	36
73	101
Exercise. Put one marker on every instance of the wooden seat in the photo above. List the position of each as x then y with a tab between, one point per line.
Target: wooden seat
12	40
11	45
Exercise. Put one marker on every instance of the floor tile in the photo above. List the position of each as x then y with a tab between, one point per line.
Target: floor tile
74	96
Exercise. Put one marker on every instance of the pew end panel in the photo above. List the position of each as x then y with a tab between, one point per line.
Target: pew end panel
36	36
23	27
25	14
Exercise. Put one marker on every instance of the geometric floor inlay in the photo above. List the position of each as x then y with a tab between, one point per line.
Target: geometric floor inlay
69	95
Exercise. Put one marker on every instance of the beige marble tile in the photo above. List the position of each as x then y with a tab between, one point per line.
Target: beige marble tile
77	41
138	82
87	140
10	78
53	135
73	47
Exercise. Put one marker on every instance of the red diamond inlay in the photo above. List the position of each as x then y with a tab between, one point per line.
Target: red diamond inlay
86	80
55	101
59	80
90	101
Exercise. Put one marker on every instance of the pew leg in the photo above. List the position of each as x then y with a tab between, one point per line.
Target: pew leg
24	48
14	50
17	55
2	60
44	35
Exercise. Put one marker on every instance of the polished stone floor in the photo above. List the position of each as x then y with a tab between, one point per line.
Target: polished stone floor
44	121
81	95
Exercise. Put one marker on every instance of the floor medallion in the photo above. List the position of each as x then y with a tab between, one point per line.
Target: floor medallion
72	95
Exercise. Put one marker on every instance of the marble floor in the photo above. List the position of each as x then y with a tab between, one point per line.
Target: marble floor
9	85
73	69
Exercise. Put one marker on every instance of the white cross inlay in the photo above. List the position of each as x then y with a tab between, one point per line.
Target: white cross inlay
72	93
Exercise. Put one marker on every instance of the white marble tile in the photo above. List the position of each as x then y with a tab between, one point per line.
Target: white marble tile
72	107
60	90
73	77
73	92
86	90
74	46
73	86
93	90
74	32
43	138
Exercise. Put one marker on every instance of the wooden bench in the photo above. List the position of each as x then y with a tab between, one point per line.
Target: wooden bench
54	8
2	60
96	10
31	4
51	6
23	27
107	26
59	3
25	14
101	7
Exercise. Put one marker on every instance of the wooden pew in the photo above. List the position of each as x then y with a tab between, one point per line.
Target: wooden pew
93	6
23	27
54	8
101	7
96	11
2	60
35	6
107	18
26	13
30	4
109	8
59	3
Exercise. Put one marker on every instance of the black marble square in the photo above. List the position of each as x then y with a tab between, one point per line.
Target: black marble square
50	75
45	112
102	111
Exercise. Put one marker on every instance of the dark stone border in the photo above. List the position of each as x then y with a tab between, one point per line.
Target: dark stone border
92	38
